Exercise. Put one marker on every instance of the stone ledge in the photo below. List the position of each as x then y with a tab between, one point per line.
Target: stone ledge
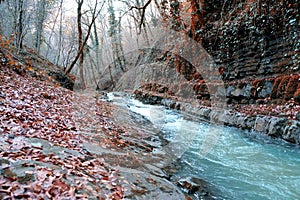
276	127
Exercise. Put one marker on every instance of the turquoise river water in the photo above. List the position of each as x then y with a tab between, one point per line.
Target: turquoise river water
240	164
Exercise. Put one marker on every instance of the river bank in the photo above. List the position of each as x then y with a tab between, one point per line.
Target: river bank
155	161
239	165
59	143
56	143
273	120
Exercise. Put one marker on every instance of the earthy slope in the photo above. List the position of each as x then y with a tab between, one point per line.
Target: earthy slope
59	144
41	150
28	61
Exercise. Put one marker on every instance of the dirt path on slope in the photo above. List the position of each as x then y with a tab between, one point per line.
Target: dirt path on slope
125	143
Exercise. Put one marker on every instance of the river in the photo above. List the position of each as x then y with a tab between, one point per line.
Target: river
240	165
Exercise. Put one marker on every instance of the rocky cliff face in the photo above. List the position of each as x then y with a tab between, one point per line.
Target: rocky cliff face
255	49
255	46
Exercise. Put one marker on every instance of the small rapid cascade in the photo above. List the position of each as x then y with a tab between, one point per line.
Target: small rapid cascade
241	165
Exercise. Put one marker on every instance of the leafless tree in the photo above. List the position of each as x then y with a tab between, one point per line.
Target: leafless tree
82	43
40	18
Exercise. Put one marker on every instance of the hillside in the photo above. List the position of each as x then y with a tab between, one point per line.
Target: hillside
41	150
56	143
28	62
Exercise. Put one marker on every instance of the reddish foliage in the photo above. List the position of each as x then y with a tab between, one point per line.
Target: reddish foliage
291	86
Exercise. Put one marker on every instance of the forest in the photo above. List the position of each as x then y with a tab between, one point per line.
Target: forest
80	33
149	99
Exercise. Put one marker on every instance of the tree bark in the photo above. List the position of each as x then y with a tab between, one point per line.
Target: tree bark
60	32
41	13
81	48
96	45
80	42
20	25
115	34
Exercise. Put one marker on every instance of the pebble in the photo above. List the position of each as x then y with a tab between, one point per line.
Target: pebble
11	136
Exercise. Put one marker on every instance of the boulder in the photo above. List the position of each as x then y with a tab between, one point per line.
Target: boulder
249	122
292	132
276	126
204	112
194	185
261	124
63	79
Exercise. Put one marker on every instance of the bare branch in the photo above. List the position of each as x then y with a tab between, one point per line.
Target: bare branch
95	15
143	8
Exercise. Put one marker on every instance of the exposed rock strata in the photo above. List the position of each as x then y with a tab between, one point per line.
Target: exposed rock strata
255	49
279	127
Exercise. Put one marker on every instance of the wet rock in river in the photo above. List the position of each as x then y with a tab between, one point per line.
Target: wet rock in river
171	169
292	132
195	186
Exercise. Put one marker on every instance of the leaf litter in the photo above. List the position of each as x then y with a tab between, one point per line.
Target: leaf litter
32	109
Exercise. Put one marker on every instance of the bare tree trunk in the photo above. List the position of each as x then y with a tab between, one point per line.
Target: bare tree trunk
67	60
41	14
81	48
53	27
111	77
99	59
120	42
115	34
80	42
60	33
96	45
145	35
93	64
130	27
20	25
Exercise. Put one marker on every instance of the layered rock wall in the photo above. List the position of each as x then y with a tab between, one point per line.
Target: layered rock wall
255	48
274	126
